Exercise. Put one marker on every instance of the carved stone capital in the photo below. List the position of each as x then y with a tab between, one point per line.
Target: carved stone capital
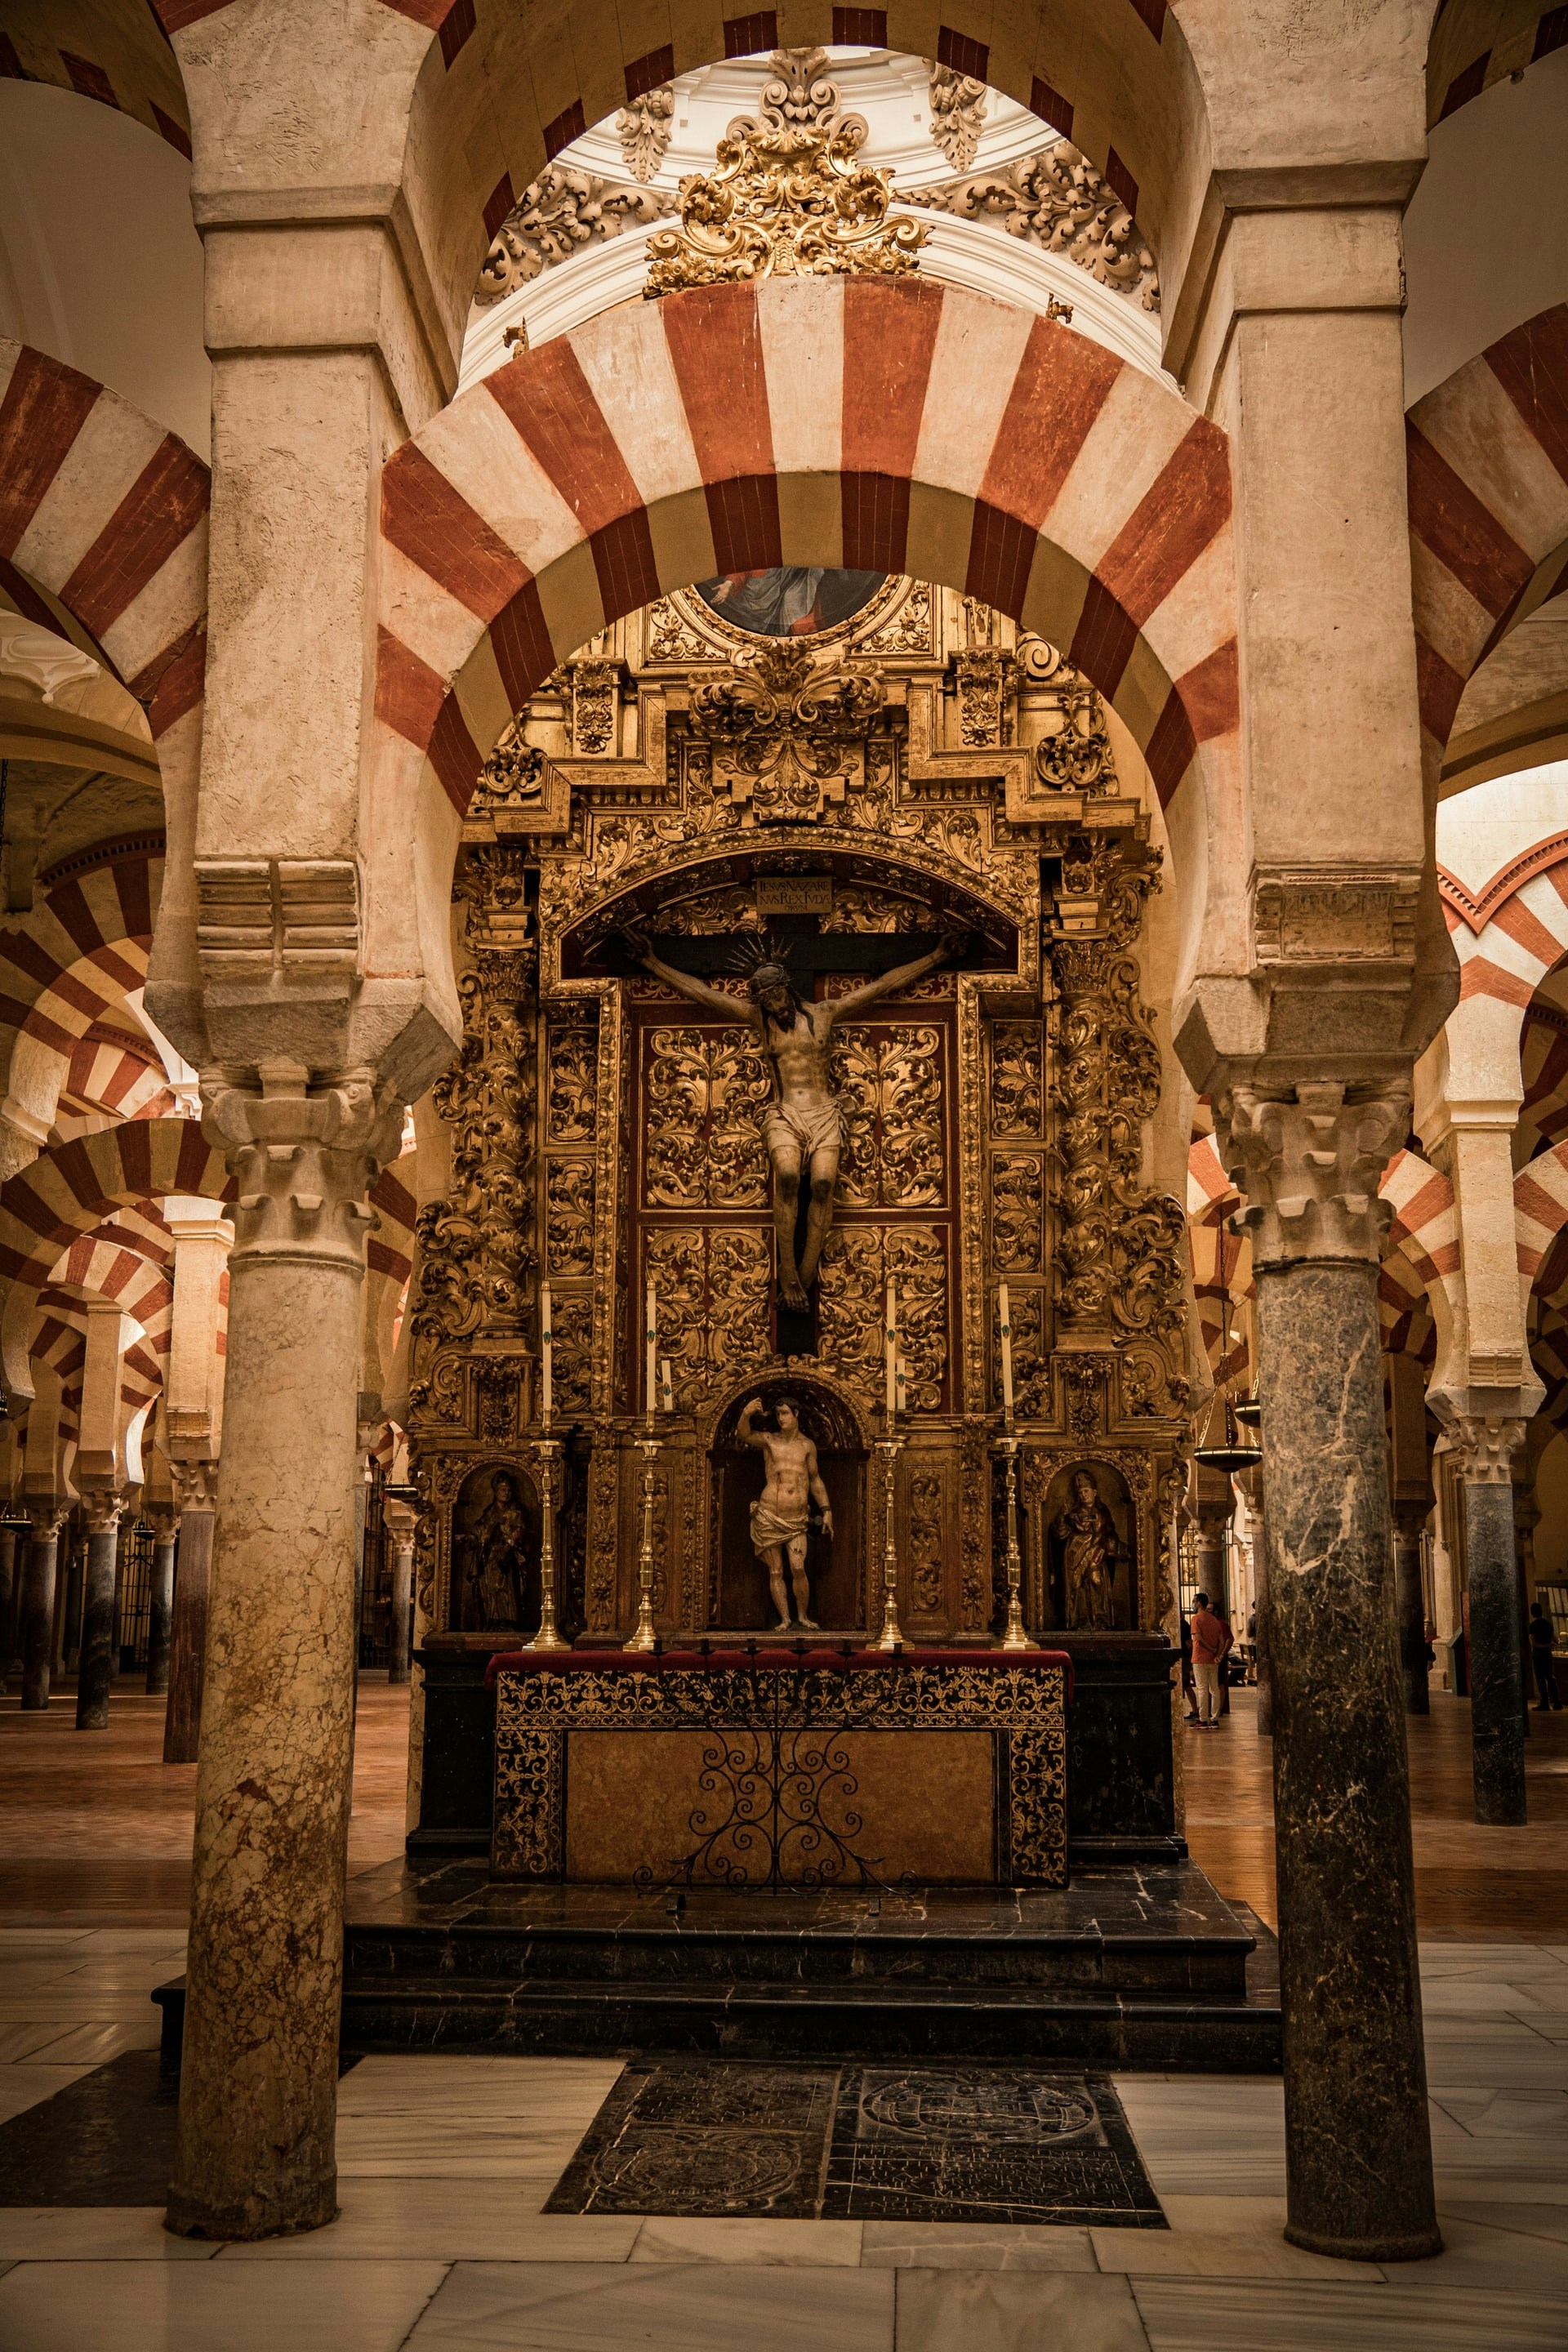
46	1515
1310	1168
195	1487
1486	1446
165	1522
100	1509
304	1160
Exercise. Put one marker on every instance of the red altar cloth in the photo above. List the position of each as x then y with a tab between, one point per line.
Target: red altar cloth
766	1655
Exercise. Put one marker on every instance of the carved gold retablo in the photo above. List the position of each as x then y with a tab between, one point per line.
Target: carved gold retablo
787	200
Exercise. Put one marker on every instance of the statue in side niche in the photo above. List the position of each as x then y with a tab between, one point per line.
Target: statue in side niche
782	1517
1087	1534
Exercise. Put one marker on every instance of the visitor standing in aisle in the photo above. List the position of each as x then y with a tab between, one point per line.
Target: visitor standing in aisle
1211	1640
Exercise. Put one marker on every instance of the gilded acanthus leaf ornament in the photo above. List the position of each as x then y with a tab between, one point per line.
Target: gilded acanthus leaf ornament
889	1084
786	200
705	1089
788	736
1057	200
642	127
555	216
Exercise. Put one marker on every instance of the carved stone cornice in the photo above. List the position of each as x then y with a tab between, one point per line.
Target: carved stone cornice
304	1160
1485	1446
1310	1168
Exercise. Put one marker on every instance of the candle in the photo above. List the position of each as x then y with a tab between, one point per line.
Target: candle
666	1385
650	1326
1007	1349
902	1382
890	1348
546	1349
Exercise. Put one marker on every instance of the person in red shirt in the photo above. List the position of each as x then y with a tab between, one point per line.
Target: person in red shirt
1211	1638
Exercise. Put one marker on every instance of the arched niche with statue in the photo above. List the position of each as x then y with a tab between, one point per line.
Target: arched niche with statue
835	1564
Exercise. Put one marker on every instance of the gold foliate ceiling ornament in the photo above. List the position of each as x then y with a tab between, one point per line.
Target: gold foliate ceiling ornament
787	200
788	736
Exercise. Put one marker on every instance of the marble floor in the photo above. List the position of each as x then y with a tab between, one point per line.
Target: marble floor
447	2163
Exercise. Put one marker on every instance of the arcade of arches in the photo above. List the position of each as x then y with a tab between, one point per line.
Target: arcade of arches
785	865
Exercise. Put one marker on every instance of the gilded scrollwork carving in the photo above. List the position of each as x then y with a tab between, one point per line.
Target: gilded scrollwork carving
705	1090
1056	199
1119	1243
888	1081
786	736
1017	1082
569	1219
1018	1208
713	1285
925	1542
571	1101
857	1263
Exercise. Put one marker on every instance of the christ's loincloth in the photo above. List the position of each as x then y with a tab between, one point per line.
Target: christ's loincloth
770	1528
809	1132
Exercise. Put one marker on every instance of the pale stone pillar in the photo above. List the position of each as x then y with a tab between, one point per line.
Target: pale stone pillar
94	1669
258	2083
1358	2153
1486	1449
400	1524
192	1427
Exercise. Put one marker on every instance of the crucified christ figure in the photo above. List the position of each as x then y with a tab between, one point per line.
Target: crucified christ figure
800	1126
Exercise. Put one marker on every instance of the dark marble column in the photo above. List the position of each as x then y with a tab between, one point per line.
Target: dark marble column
1486	1449
399	1667
188	1626
1358	2149
37	1631
1410	1607
11	1632
161	1600
1251	1484
7	1596
100	1629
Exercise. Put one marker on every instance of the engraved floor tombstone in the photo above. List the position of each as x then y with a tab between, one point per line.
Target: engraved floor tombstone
927	2143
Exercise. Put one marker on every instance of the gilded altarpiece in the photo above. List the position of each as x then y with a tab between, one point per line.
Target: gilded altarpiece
923	772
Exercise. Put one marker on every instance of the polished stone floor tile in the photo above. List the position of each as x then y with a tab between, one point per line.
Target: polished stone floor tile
99	2233
1488	2113
1214	2253
484	2118
973	2246
95	2044
1519	2220
1182	2315
145	2307
447	2221
1238	2216
657	2307
817	2244
26	2085
1015	2311
1491	2254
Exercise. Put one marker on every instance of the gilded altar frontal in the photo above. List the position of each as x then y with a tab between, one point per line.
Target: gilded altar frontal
802	930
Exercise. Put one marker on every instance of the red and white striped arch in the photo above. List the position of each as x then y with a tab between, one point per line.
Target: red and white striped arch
65	970
1488	459
67	1193
110	513
898	427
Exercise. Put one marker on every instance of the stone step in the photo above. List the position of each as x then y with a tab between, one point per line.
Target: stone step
794	2020
678	1950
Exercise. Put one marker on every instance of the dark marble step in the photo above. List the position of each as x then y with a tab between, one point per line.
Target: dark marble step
799	2021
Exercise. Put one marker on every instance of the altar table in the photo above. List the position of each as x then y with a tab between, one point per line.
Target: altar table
781	1767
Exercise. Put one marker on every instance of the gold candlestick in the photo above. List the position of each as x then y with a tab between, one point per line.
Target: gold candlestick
644	1638
549	1635
1015	1637
890	1637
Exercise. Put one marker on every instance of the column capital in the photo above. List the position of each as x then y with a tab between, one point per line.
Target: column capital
101	1508
1486	1445
305	1156
46	1515
164	1522
196	1487
1310	1167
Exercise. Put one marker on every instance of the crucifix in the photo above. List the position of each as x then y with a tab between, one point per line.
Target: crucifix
801	1128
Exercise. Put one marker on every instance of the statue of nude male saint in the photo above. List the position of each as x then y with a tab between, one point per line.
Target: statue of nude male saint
801	1127
781	1516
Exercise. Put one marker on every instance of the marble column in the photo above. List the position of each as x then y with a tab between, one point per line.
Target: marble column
1358	2150
7	1596
37	1630
100	1631
1251	1484
400	1529
1486	1448
1410	1606
258	2083
161	1600
196	1484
